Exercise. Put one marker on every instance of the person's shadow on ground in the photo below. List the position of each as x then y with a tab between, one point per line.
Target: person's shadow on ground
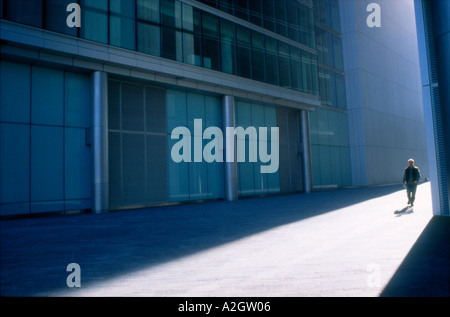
404	211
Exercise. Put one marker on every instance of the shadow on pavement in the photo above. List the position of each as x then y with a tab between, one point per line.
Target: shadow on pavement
425	272
35	252
404	211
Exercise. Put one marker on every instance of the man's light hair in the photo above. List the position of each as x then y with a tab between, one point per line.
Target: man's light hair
410	160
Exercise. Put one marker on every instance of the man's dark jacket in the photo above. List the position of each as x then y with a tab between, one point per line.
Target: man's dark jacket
411	175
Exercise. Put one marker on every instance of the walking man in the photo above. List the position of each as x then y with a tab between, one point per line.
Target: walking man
411	179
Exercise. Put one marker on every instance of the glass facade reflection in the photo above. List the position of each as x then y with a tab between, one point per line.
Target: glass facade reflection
329	125
290	44
180	32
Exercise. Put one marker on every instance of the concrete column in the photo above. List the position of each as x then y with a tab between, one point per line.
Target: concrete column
307	169
231	180
99	148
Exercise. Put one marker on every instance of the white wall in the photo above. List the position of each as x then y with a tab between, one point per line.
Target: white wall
383	90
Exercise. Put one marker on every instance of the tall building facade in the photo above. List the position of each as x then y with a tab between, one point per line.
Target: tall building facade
384	94
88	113
433	32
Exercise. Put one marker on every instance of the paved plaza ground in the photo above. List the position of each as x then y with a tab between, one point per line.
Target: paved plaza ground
359	242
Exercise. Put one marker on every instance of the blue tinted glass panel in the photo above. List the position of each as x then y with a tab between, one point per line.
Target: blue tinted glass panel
315	156
273	179
122	23
47	96
198	174
211	42
94	17
228	46
192	49
313	132
56	17
148	10
335	165
333	127
343	130
271	61
258	57
171	44
268	8
260	180
340	92
178	172
195	110
243	52
76	164
345	166
198	179
15	163
28	12
176	109
15	92
77	100
47	177
171	13
148	39
296	68
325	168
284	65
213	118
246	179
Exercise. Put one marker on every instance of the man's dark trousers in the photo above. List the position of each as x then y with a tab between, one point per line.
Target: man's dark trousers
411	192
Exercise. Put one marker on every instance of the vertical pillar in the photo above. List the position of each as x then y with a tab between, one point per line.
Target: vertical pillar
231	181
99	148
440	13
306	152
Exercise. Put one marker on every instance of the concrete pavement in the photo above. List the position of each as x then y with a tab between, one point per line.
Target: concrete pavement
347	242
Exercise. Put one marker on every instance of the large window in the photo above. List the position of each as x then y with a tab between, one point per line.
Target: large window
95	20
193	180
251	180
148	30
192	36
55	17
211	42
171	35
287	18
174	30
258	57
228	46
330	149
272	60
28	12
284	67
296	68
122	26
329	54
44	121
243	52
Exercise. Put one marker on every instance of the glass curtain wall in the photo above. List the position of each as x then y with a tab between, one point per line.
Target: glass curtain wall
193	178
289	176
174	30
292	19
329	125
251	180
44	124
